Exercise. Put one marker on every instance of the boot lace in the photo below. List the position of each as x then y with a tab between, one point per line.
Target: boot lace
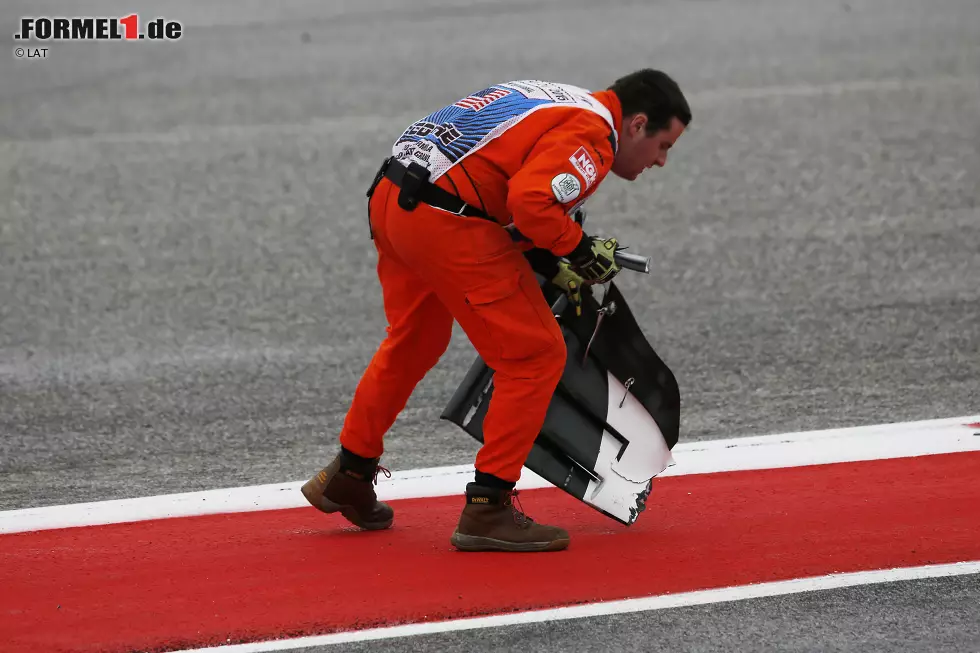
520	517
381	469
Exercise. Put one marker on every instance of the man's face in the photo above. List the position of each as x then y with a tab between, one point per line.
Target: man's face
639	150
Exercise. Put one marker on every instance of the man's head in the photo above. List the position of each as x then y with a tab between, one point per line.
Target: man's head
655	114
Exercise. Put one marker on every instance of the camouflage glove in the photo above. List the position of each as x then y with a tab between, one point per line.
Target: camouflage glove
571	283
594	259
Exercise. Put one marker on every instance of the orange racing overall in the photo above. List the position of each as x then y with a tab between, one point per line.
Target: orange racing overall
526	153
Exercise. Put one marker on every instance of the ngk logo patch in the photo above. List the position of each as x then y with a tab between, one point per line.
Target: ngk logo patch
585	165
88	28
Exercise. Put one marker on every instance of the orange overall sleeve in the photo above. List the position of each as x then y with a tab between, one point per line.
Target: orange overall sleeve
563	168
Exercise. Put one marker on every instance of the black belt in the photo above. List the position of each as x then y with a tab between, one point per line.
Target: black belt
413	180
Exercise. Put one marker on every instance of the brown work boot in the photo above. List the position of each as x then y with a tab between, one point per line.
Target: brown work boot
492	522
347	486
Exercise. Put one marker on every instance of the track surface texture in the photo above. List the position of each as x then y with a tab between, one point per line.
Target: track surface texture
188	296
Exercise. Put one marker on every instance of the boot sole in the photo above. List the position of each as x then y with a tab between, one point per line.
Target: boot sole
313	492
479	543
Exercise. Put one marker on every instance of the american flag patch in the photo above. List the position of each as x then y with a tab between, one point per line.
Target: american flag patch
477	102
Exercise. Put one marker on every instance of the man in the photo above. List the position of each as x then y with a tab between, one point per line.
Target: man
525	155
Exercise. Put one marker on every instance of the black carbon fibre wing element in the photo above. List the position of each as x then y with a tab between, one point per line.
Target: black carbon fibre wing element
613	419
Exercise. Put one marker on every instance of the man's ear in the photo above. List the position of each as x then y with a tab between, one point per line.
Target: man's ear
636	123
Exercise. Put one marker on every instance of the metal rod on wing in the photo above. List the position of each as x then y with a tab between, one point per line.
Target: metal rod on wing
633	262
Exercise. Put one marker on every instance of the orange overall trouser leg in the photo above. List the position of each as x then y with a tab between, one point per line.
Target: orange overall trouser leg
433	267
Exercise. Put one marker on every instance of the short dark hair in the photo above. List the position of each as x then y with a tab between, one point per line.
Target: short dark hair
654	93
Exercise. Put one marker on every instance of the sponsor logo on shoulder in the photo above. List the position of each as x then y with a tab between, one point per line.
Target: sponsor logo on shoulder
585	165
566	187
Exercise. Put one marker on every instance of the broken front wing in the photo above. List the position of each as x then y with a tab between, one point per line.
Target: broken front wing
613	418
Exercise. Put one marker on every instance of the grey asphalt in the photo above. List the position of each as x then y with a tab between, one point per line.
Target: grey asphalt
187	290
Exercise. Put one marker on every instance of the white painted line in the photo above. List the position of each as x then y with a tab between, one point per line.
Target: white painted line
663	602
759	452
438	481
875	442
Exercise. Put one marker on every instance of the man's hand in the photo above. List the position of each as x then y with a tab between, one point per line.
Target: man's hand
571	283
594	259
